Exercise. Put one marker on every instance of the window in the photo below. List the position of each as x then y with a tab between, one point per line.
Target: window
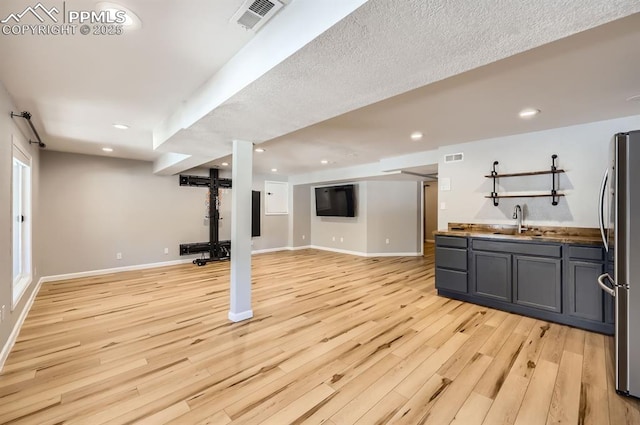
21	228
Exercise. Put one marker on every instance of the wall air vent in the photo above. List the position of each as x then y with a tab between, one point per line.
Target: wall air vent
454	157
253	14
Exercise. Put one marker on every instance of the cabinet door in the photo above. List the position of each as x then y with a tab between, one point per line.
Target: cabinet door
537	282
585	296
492	275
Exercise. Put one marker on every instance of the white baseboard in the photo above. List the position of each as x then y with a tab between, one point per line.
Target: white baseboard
338	250
297	248
13	337
91	273
239	317
393	254
265	251
367	254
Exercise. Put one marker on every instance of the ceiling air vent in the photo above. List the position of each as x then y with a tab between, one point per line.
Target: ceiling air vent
454	157
253	14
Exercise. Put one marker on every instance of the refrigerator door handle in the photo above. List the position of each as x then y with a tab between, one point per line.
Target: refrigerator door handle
601	213
604	286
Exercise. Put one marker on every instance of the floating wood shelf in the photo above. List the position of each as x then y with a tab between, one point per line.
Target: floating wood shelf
540	195
555	183
530	173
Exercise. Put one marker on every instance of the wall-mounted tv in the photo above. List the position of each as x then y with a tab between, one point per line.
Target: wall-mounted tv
336	201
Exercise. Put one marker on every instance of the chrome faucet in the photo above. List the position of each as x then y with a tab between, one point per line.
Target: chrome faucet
519	216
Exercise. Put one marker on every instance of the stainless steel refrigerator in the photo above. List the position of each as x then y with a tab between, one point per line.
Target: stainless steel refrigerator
620	227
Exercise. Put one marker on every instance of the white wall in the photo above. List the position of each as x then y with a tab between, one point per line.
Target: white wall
11	129
273	228
94	207
394	213
301	214
384	210
352	230
430	210
582	151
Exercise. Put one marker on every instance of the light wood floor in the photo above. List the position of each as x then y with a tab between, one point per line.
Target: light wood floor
336	339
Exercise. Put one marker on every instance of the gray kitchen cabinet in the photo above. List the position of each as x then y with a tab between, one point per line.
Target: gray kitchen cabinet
547	280
537	282
491	275
451	264
585	298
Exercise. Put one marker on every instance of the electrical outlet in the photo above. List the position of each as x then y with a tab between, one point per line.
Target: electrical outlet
387	241
119	256
333	238
166	251
443	206
304	237
341	239
2	314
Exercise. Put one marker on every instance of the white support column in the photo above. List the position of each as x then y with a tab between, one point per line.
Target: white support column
242	176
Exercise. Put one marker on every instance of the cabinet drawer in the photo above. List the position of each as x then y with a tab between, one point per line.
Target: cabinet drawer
594	253
451	241
451	280
518	248
451	258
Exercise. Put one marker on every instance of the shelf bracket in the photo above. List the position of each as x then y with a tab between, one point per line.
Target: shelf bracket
555	183
494	174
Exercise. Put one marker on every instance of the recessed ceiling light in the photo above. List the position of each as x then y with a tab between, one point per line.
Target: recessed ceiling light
121	15
121	126
416	135
259	150
635	98
324	161
225	164
107	149
274	170
529	113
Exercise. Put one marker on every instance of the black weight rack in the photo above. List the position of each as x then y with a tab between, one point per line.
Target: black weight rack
217	250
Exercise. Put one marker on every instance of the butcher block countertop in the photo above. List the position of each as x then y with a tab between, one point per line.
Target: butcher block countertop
572	235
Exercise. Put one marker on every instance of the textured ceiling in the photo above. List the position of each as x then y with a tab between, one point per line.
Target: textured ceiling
381	50
583	78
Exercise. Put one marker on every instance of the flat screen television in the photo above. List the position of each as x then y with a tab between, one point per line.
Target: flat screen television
336	201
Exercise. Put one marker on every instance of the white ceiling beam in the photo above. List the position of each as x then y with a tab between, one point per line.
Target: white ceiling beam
172	163
418	159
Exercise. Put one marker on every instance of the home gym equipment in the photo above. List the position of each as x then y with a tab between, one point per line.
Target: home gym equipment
217	250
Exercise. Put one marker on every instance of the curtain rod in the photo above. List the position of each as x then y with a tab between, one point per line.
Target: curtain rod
27	116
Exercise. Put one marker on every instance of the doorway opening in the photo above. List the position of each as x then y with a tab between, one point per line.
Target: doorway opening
430	210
